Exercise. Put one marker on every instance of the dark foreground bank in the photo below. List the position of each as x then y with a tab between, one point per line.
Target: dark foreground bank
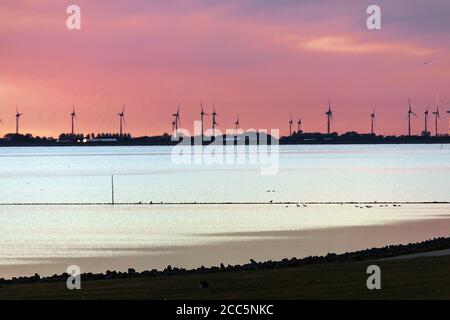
332	277
419	278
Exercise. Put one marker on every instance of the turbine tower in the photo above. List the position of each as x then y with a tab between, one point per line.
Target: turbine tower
448	111
176	121
436	116
214	122
410	112
237	125
202	115
426	122
73	117
372	121
291	122
299	125
121	120
18	115
173	125
329	115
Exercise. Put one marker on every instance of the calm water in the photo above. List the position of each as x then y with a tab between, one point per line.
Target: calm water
46	238
306	173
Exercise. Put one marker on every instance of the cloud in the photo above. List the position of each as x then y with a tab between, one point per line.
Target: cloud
347	45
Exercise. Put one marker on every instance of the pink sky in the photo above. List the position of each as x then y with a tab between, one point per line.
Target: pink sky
264	60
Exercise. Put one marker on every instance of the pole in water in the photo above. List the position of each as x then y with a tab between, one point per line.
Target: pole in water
112	189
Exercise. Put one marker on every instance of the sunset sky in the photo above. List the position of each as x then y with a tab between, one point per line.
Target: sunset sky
264	60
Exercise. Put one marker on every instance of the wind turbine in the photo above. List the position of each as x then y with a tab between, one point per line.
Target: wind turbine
202	114
121	120
372	121
448	111
329	115
176	121
436	117
291	122
237	125
426	122
18	115
410	112
214	123
1	121
299	125
73	117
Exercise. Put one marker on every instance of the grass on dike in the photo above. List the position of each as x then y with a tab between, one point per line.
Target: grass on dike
419	278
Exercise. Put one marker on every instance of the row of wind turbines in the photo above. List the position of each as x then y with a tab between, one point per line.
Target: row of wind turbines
436	114
176	122
121	115
329	115
73	116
